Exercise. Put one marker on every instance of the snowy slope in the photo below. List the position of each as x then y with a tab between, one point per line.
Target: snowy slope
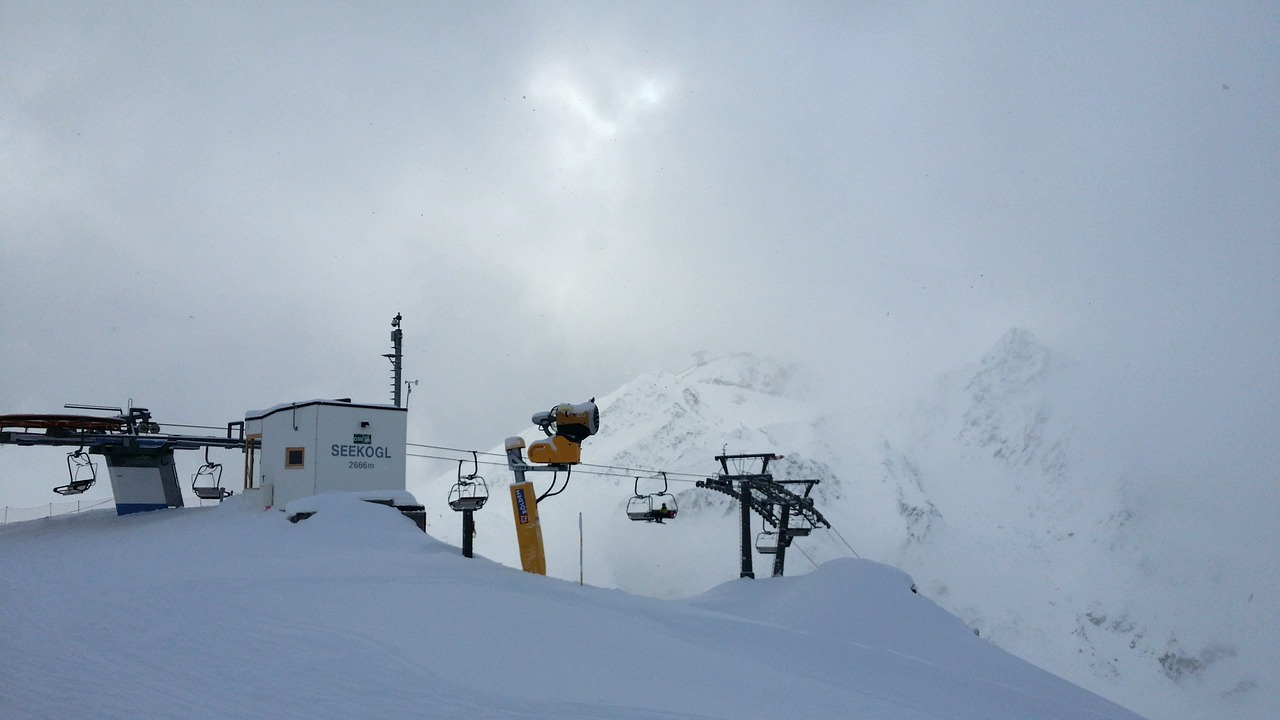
1026	530
354	613
991	493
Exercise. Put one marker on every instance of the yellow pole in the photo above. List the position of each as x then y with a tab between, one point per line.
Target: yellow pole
524	503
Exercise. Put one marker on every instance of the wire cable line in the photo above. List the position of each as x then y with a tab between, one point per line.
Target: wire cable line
609	471
618	470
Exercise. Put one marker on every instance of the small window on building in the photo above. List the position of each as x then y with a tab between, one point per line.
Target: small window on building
294	457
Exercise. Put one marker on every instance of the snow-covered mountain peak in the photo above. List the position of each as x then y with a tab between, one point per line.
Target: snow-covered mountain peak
1018	359
1004	409
757	373
738	403
1001	416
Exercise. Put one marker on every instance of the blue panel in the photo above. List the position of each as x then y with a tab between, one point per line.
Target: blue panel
130	508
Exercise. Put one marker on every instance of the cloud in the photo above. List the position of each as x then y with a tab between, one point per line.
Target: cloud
215	209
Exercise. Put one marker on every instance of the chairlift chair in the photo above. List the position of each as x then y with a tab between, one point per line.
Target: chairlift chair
82	471
640	508
767	542
654	507
801	526
207	482
470	492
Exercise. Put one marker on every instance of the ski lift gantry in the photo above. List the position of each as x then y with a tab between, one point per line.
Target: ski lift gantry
777	502
139	456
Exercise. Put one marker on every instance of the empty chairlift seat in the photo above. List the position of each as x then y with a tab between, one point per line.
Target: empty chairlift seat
82	471
470	492
207	482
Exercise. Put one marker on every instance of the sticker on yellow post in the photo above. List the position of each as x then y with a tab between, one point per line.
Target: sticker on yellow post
524	503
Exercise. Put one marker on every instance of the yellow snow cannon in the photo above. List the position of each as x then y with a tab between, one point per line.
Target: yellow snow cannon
566	426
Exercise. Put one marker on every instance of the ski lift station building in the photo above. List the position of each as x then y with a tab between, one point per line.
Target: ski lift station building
307	448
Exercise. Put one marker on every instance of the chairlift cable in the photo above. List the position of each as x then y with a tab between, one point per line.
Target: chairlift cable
453	449
846	542
581	472
627	470
680	470
630	471
806	557
451	459
621	470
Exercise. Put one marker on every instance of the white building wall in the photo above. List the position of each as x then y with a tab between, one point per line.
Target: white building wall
330	446
360	448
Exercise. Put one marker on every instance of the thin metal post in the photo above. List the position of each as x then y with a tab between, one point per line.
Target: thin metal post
744	505
468	532
780	557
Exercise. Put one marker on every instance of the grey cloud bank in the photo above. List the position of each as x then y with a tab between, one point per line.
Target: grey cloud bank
215	208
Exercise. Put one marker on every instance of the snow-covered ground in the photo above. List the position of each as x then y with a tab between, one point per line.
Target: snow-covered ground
230	611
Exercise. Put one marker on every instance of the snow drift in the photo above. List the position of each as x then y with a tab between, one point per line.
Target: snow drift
355	613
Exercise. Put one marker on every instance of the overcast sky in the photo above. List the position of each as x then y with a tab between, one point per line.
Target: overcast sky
217	207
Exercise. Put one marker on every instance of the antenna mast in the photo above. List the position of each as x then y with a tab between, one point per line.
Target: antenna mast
395	356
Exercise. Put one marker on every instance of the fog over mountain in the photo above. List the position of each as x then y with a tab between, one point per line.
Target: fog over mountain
998	491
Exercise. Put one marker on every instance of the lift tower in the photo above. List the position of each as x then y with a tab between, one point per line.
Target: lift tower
773	500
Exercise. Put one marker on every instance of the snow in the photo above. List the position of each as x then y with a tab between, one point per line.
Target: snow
313	503
999	494
230	611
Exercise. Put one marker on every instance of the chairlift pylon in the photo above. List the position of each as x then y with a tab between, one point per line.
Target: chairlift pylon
653	507
470	492
82	471
207	481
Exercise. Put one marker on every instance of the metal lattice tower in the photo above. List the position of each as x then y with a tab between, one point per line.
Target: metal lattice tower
775	501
